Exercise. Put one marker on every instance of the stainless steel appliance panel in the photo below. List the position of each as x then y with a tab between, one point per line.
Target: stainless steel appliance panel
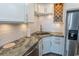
73	18
72	31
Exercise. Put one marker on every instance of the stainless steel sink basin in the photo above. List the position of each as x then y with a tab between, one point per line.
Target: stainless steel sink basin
41	33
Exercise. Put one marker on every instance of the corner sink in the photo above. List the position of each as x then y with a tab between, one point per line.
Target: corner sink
41	33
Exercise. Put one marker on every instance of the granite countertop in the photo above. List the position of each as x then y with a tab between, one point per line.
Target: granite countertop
58	34
24	44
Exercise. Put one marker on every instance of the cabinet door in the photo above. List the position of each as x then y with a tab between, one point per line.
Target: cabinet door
57	45
40	48
12	12
30	13
43	8
62	45
46	46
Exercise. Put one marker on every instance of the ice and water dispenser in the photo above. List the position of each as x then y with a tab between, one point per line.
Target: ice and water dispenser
72	34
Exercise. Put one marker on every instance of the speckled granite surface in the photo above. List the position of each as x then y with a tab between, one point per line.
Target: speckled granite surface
58	34
24	44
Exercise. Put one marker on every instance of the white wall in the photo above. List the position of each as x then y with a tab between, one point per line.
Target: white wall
69	6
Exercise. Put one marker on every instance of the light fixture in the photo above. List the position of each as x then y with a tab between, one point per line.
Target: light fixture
23	25
49	16
5	27
58	25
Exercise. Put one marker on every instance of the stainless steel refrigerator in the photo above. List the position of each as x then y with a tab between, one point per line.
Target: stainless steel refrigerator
72	28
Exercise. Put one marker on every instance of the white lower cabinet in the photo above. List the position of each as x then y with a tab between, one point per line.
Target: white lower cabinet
51	44
57	45
46	47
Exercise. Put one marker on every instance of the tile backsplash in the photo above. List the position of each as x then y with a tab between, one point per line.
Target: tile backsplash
49	26
11	32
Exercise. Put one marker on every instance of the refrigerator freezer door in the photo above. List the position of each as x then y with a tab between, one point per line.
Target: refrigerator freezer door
73	19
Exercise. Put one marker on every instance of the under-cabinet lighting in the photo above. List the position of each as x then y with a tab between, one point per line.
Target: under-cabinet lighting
58	25
5	27
49	16
23	25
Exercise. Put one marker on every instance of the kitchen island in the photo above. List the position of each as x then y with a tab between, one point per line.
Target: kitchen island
24	44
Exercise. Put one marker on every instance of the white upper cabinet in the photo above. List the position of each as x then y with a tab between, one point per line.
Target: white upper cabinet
50	8
44	8
30	13
13	12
